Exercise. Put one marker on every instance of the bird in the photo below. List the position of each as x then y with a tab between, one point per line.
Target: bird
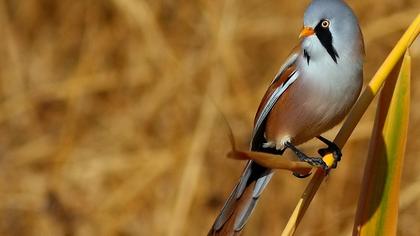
312	92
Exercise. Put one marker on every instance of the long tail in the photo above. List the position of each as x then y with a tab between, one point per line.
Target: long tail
242	200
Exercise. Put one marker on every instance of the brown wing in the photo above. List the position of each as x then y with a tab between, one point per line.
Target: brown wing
278	86
275	85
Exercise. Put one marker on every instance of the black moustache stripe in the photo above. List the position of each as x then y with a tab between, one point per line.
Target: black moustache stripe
306	55
325	37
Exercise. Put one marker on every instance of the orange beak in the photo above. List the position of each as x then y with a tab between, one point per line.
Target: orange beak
306	31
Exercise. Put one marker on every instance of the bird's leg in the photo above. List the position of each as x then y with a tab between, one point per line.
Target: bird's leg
314	161
332	148
270	148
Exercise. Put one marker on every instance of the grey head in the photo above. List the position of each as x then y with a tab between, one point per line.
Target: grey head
331	29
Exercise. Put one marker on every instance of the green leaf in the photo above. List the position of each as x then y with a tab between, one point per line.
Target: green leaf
377	212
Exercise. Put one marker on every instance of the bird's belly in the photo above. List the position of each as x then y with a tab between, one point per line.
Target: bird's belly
306	113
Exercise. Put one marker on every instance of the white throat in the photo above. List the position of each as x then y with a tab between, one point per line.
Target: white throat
321	67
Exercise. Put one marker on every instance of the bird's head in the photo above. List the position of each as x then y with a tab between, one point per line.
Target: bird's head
330	30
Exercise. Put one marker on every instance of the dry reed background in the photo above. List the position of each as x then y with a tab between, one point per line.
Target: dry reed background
110	115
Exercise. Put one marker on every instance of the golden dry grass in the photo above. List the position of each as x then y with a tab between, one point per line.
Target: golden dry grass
111	115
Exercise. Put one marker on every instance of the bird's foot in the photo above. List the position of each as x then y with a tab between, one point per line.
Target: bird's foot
313	161
332	148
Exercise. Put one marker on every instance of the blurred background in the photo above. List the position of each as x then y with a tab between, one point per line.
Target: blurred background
111	115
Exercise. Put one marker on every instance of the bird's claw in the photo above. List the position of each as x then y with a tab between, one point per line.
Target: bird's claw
318	162
332	148
313	161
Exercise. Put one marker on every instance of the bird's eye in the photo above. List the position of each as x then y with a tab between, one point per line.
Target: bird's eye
325	23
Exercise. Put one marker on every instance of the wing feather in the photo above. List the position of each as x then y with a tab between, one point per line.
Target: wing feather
284	78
